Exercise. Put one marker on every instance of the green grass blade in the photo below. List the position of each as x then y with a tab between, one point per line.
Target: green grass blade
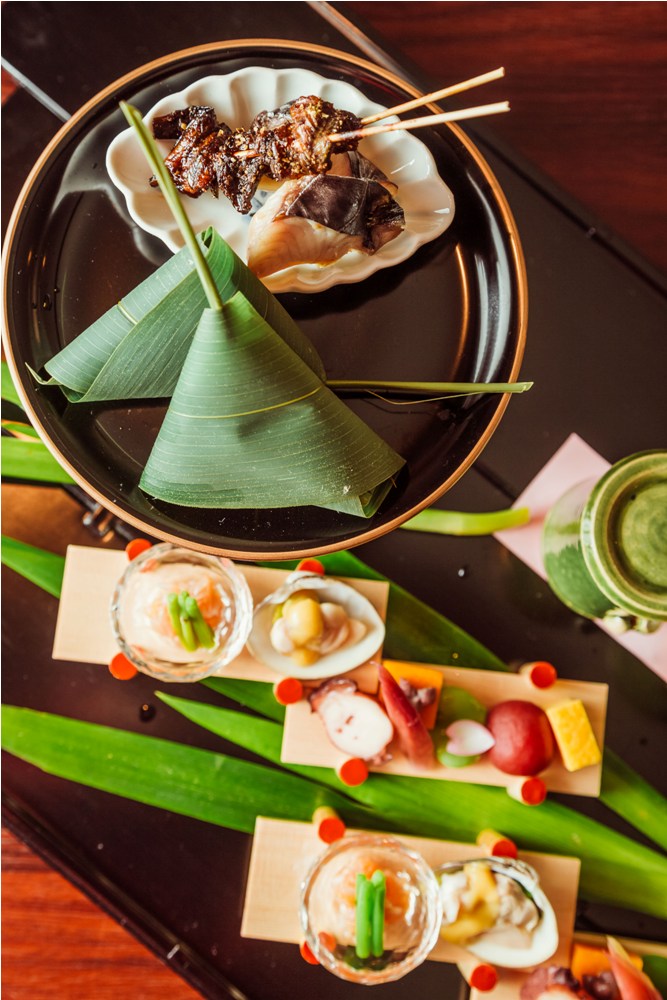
455	522
430	388
655	967
628	794
25	430
8	389
615	870
164	179
32	460
250	694
207	786
45	569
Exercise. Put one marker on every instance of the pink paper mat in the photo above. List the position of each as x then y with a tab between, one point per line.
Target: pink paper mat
573	462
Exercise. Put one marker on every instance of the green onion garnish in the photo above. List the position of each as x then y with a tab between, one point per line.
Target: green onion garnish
379	883
189	638
364	910
203	630
188	622
174	614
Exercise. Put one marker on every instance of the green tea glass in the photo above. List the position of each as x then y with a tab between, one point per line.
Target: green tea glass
605	545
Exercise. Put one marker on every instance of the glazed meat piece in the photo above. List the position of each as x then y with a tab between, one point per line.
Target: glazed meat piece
294	139
192	160
284	144
173	126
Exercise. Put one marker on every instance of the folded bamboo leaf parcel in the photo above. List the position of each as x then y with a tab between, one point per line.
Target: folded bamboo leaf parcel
246	403
136	350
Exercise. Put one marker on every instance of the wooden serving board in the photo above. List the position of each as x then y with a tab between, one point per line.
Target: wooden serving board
283	851
305	740
83	629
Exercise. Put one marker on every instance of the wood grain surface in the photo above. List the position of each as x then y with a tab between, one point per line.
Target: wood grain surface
587	84
57	944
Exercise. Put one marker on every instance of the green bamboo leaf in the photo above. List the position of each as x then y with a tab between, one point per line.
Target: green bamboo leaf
137	348
256	696
250	425
655	967
454	522
168	189
433	390
183	779
628	794
615	870
20	429
8	389
45	569
23	459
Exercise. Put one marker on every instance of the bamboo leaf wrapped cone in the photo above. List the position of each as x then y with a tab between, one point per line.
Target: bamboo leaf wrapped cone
250	424
137	348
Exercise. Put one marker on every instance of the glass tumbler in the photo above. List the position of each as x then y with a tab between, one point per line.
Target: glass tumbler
143	625
411	916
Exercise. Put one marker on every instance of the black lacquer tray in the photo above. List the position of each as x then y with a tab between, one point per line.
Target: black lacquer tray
454	311
176	883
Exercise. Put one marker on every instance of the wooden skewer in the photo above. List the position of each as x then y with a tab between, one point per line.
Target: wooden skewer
437	95
413	123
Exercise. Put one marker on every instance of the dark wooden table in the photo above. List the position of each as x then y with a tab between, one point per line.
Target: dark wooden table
587	84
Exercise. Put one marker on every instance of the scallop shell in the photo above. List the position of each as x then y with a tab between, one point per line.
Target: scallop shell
341	660
544	940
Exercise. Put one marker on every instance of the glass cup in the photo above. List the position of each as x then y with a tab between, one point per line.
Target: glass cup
605	545
412	910
143	626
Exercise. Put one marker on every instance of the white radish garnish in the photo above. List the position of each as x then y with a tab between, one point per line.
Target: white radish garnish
354	723
468	738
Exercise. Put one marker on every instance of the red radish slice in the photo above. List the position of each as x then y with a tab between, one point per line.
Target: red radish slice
468	738
633	984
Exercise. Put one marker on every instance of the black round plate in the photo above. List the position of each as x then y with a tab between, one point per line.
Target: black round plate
455	311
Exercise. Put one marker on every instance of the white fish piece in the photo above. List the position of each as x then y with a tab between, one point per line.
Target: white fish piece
318	219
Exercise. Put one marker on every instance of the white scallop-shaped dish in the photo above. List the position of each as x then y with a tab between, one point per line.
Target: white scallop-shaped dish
237	97
341	660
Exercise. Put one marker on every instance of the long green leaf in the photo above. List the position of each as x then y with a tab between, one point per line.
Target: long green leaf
45	569
23	459
170	194
256	696
8	390
183	779
623	790
615	870
20	429
251	425
137	348
628	794
456	522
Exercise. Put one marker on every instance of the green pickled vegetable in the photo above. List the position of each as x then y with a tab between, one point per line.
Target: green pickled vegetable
363	915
